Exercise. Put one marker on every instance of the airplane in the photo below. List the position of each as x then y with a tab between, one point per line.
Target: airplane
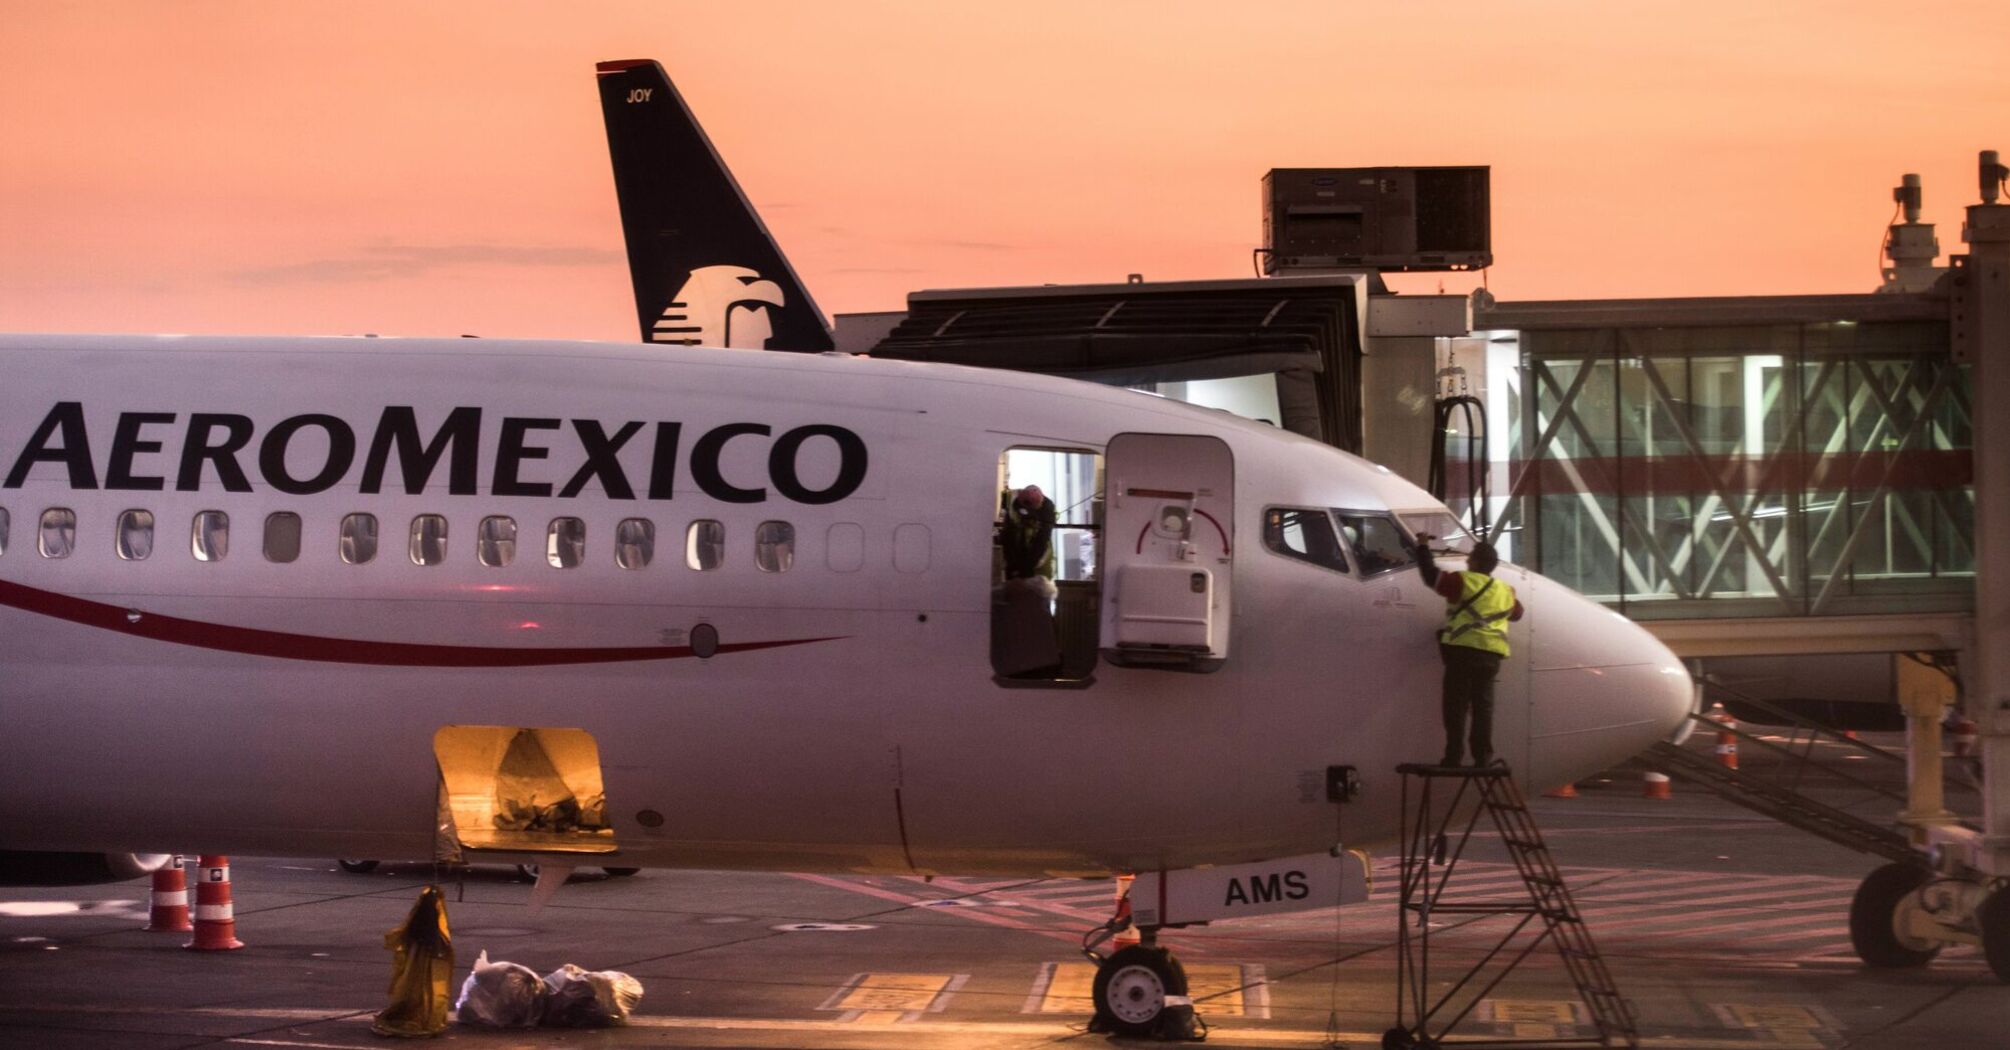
302	597
564	603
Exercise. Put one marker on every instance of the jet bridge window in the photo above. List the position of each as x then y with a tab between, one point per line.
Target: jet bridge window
1045	591
1379	544
282	537
59	532
565	543
1304	534
359	538
209	535
705	545
136	535
634	543
774	546
428	544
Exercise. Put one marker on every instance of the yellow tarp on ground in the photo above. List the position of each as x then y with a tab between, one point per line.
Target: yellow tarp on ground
421	968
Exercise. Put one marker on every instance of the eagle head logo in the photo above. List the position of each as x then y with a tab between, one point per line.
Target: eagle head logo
720	306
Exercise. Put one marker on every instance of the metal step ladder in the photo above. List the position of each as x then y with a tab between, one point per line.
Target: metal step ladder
1546	915
1783	804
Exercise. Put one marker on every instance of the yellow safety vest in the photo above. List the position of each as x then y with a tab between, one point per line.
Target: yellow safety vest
1482	623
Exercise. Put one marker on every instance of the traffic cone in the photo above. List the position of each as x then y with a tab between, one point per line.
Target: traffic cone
215	923
169	913
1127	934
1727	741
1657	786
1566	791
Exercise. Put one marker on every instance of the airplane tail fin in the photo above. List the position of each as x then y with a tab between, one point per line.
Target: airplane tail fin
706	270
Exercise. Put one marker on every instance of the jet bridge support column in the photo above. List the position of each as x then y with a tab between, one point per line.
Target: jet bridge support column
1982	335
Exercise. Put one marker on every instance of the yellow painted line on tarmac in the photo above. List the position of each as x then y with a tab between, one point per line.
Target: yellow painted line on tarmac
1239	1035
892	998
1217	990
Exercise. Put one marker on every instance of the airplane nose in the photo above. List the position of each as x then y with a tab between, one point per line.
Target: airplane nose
1602	689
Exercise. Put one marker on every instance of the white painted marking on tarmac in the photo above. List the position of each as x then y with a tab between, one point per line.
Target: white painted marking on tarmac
53	909
821	927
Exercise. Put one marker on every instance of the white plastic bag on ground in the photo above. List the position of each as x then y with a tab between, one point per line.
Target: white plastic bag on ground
576	998
501	995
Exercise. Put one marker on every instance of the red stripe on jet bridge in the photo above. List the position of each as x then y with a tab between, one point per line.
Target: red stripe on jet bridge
251	641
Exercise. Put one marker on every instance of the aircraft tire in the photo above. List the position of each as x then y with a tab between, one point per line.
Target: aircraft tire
1872	919
357	867
1994	919
621	873
1131	988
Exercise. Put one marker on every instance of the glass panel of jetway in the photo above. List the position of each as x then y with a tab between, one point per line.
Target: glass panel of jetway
518	789
1758	469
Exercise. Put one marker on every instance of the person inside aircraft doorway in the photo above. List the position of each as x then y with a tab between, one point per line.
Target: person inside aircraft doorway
1473	642
1027	534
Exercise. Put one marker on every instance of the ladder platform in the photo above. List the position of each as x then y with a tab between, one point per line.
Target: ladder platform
1421	769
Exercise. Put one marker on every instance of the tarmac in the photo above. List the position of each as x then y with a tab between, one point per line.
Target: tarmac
1725	930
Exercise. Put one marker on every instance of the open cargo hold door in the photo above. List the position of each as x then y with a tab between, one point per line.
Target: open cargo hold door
1168	543
520	790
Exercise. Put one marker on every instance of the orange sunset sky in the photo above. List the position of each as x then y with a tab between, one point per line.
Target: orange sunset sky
440	168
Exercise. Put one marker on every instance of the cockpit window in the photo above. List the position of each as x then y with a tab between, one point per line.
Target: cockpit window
1305	535
1378	543
1447	532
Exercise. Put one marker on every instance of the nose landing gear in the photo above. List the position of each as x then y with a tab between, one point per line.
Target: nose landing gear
1139	990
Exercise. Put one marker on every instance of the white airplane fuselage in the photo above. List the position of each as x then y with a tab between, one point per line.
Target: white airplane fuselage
850	719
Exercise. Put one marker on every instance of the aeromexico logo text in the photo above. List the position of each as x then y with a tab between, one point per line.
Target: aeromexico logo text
398	454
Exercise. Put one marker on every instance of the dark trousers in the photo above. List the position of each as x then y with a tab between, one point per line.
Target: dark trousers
1469	691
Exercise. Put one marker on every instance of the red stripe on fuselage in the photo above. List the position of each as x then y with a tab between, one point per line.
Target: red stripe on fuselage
250	641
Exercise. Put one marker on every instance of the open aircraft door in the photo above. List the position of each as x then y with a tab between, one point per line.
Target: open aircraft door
1168	540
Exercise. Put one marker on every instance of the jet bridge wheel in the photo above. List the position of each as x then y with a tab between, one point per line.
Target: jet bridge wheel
1131	990
1876	919
1994	919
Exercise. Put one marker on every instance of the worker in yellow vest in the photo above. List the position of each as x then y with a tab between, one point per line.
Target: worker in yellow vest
1473	642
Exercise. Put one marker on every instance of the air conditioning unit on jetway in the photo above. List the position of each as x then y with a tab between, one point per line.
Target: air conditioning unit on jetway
1417	219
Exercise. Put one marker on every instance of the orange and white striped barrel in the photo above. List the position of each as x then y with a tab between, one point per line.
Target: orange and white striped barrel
215	922
1727	741
1657	787
169	912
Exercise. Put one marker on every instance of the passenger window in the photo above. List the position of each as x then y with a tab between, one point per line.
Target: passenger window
774	546
1304	535
136	535
282	537
495	541
359	538
844	547
59	532
565	543
1378	543
429	539
705	545
209	536
634	543
4	522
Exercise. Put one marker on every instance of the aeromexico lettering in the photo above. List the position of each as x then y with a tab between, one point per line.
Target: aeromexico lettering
396	454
